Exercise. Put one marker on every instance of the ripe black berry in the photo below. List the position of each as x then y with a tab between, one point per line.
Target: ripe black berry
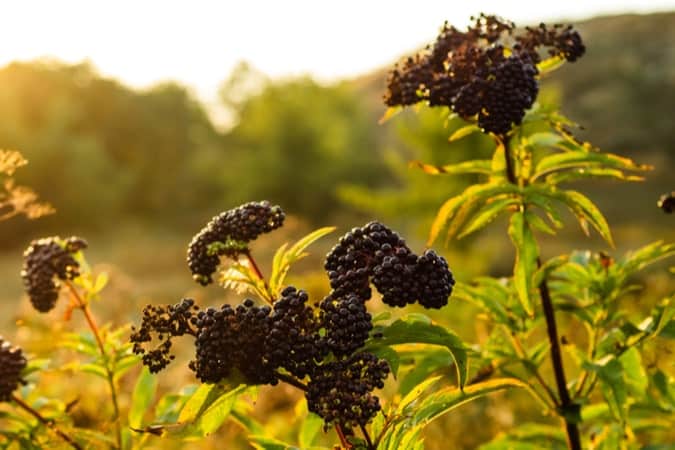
45	262
228	234
667	202
12	363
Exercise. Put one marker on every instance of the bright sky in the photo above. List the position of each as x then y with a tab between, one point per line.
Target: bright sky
198	42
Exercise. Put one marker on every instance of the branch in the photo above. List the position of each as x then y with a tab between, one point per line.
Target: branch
46	422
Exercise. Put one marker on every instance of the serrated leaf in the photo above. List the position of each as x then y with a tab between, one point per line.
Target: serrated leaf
411	329
464	131
438	403
284	258
487	214
525	265
582	159
424	367
585	211
479	166
144	394
538	223
543	139
612	385
203	414
415	394
590	173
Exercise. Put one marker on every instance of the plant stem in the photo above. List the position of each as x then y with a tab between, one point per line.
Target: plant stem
259	274
110	376
343	439
292	381
367	437
567	407
46	422
510	173
533	370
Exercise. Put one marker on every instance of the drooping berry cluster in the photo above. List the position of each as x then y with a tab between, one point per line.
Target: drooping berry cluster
45	262
12	363
374	252
477	74
228	234
667	202
341	391
162	323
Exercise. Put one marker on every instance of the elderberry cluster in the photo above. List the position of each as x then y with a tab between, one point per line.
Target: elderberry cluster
44	260
341	391
375	252
477	74
313	346
230	231
12	363
162	323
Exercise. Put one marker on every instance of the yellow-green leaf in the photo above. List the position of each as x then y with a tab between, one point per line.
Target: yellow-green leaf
525	266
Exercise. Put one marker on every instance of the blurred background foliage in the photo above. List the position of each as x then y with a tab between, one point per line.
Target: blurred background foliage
137	172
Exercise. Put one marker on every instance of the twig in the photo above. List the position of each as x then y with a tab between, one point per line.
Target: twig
367	437
110	376
260	275
46	422
533	370
292	381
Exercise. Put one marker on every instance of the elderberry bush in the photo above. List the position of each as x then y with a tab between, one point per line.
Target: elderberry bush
46	261
12	363
231	231
488	71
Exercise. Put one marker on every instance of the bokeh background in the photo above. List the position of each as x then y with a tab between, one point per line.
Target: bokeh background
141	121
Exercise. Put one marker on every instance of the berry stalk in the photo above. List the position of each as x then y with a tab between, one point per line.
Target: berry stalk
46	422
91	321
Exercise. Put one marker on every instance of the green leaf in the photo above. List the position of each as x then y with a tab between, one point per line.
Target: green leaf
550	64
590	173
464	131
100	283
389	113
415	329
144	393
635	375
525	266
283	259
538	223
487	214
424	366
203	414
585	209
543	139
440	402
610	373
583	159
479	166
309	429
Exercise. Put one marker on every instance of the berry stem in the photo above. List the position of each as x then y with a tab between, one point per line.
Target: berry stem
292	381
110	376
260	275
567	408
367	437
46	422
343	439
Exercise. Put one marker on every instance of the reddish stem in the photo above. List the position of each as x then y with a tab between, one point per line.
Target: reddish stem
46	422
